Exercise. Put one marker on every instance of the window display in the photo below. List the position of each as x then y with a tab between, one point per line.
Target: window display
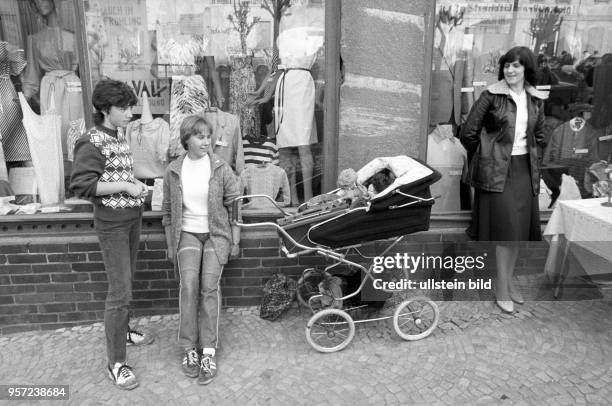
40	100
185	57
572	43
209	59
50	78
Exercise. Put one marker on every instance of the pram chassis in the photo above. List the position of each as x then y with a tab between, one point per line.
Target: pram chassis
332	329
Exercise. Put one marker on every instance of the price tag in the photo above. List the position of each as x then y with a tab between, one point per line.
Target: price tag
605	137
581	150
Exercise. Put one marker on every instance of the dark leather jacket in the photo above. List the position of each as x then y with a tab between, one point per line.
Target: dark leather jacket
490	150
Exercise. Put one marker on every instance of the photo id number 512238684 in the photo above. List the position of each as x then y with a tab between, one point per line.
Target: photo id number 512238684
34	392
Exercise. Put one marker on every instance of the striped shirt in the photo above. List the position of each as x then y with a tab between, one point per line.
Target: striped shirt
258	152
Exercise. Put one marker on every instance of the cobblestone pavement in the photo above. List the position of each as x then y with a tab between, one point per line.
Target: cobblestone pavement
547	353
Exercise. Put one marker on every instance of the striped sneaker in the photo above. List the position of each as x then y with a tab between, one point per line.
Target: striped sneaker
191	363
122	376
208	369
137	337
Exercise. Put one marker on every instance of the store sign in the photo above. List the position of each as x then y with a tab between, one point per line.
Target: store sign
508	7
158	91
118	39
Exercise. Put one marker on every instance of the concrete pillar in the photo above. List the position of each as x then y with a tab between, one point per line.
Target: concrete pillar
384	49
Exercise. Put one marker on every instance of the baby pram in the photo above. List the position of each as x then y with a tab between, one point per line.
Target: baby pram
335	231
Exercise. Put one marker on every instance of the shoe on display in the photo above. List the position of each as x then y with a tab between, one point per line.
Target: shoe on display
137	337
122	376
208	369
191	363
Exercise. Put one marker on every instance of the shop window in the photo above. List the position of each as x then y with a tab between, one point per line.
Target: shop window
214	58
208	57
574	52
41	101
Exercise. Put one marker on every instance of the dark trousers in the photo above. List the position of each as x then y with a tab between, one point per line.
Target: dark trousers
119	243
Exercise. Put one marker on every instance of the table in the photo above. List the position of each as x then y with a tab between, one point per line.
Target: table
582	228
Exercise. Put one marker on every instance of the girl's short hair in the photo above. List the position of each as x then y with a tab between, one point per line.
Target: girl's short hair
525	57
192	125
109	93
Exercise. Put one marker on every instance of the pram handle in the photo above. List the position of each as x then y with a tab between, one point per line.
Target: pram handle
235	217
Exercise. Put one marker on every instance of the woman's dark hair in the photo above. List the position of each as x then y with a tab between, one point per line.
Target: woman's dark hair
192	125
525	57
109	93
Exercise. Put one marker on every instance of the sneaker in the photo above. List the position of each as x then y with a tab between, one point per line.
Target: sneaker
123	376
136	337
191	363
208	369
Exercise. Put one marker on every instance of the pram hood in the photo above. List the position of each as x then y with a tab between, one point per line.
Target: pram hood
406	170
402	208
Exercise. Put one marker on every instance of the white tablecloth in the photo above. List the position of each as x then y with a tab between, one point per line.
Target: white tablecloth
586	227
585	221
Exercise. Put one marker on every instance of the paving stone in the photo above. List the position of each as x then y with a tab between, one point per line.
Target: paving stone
483	357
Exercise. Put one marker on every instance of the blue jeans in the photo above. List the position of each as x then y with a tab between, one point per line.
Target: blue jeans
119	243
200	294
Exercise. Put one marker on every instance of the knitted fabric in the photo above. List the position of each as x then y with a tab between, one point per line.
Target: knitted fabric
118	167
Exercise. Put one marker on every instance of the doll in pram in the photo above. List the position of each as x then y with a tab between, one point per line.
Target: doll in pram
336	231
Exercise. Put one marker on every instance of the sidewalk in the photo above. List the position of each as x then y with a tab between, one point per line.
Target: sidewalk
548	353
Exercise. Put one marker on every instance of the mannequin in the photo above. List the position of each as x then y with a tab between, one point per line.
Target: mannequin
52	62
12	132
294	100
574	145
189	93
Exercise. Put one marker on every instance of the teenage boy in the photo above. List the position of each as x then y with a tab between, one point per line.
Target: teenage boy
103	172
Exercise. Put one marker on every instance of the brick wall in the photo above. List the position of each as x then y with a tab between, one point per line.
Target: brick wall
47	283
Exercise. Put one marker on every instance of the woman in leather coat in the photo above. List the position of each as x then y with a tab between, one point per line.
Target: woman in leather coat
503	135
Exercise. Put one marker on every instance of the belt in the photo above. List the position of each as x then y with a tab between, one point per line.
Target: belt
281	95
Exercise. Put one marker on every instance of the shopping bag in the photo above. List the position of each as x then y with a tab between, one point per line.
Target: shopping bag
278	293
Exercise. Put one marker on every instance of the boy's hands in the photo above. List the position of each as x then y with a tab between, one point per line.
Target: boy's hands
136	189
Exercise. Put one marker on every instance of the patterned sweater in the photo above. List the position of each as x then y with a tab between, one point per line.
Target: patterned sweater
103	155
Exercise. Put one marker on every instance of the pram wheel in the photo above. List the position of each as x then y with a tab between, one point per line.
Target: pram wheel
330	330
416	318
308	285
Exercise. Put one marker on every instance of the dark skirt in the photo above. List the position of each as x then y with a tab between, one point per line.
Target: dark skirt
512	215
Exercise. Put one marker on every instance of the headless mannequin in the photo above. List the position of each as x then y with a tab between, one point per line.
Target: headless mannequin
50	75
47	10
